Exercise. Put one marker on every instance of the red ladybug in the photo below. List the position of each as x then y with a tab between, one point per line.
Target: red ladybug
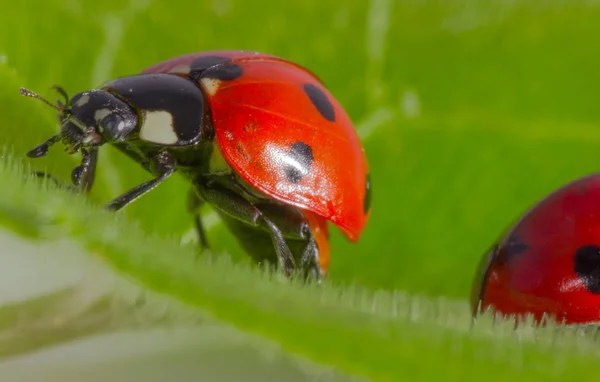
260	138
549	261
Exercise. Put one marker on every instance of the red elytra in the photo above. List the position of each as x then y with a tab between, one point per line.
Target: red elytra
263	112
549	261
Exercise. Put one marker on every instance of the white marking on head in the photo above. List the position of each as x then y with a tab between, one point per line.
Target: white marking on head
158	127
211	85
79	124
121	126
100	114
82	100
183	69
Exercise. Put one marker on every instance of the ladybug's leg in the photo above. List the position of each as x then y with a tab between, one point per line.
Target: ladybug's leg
296	229
82	176
194	205
164	166
238	208
59	184
310	255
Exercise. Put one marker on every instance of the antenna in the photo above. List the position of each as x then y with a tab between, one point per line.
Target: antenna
42	149
29	93
73	143
60	90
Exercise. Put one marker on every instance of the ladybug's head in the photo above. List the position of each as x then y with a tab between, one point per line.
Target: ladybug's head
95	117
88	120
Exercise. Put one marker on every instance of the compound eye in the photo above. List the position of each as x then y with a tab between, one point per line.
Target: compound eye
116	127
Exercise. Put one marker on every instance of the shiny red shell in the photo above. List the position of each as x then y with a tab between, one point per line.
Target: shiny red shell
260	114
549	261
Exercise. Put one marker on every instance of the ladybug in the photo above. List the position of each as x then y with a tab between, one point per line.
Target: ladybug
259	138
548	264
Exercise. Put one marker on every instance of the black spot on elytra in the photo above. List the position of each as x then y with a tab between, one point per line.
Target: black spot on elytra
226	72
367	201
300	158
587	266
215	67
320	101
200	64
512	248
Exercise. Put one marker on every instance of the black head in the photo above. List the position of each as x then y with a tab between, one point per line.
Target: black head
101	117
88	120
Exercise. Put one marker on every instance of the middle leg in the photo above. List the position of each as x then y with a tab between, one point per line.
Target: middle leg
251	221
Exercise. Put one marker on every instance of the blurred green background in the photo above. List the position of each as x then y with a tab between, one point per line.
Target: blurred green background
469	111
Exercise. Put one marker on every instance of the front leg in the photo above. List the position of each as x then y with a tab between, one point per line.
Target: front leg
57	183
82	176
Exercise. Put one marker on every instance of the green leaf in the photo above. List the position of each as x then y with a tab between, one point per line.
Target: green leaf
469	112
133	282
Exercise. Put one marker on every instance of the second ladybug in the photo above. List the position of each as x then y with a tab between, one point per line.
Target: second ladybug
259	137
548	263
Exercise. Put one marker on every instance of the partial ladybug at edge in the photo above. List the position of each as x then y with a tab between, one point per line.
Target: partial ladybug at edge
548	263
259	137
